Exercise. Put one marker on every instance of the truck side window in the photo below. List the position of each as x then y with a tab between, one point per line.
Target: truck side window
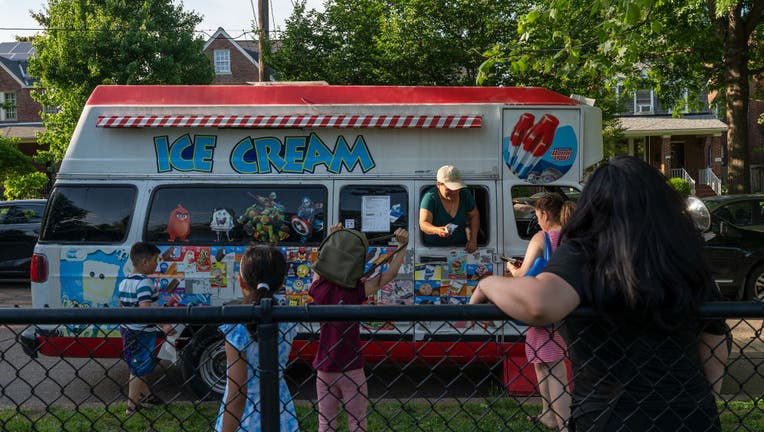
523	199
89	214
222	214
376	210
480	193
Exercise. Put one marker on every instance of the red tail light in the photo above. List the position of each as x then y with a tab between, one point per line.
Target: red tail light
39	268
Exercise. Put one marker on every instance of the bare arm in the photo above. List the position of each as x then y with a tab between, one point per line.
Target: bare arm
540	300
167	328
426	226
374	284
713	353
535	249
237	388
473	221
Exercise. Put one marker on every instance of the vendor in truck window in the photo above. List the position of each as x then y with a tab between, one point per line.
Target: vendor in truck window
448	215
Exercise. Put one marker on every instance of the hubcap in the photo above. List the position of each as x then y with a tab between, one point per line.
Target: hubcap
212	367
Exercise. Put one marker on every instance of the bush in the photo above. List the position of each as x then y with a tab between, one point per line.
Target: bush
680	185
26	186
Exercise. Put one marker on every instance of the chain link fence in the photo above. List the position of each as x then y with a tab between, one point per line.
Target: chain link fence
438	377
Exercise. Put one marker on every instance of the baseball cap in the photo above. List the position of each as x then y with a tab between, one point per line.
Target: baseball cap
450	176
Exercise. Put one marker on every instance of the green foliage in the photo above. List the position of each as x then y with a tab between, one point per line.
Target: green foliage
680	185
404	42
669	45
92	42
26	186
12	161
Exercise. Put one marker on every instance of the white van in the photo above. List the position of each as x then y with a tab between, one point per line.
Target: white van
204	171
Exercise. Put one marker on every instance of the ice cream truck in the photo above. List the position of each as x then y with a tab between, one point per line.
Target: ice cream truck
204	171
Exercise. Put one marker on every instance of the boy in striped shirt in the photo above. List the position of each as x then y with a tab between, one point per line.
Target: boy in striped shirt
139	340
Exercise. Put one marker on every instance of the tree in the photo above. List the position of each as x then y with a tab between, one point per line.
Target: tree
91	42
405	42
671	45
18	175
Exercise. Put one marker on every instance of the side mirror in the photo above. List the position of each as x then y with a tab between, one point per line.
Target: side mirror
699	213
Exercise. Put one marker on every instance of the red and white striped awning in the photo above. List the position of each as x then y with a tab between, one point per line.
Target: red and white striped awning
294	121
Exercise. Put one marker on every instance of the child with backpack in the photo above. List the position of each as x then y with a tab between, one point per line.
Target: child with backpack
339	365
262	272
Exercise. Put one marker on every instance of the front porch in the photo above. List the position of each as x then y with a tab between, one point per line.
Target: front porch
689	148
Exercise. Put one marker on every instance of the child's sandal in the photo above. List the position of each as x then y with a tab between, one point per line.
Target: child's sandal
153	400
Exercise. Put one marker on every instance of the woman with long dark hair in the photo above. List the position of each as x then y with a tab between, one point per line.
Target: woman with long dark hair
630	252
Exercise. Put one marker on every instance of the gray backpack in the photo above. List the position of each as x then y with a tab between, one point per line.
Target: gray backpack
342	257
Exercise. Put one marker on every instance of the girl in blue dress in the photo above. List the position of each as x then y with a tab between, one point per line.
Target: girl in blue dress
262	272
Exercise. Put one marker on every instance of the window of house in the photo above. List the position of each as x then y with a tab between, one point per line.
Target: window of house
222	61
50	109
209	214
89	214
643	102
481	203
376	210
7	106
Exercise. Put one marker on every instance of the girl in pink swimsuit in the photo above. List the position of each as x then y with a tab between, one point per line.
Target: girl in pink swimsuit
544	347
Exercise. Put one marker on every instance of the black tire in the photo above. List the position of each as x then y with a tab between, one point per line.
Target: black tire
204	363
754	286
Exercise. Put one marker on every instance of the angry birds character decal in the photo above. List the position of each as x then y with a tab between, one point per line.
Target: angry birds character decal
264	220
222	222
305	222
179	225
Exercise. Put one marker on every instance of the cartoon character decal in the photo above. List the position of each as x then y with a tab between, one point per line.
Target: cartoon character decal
179	224
222	222
98	282
265	220
305	222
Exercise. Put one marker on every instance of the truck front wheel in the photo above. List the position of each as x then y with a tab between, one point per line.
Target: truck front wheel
204	363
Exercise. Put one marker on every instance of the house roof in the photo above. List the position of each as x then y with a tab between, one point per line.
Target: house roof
654	126
14	59
246	47
22	131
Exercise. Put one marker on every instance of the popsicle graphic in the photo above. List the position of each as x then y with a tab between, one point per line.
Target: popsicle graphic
535	144
524	123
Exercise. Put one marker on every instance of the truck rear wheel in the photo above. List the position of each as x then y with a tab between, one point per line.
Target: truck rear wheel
204	363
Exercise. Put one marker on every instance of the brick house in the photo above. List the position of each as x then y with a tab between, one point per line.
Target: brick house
756	134
19	113
690	147
235	61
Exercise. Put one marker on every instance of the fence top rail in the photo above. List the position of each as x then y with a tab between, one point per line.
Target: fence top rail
310	313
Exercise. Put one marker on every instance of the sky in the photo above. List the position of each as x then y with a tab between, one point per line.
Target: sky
235	16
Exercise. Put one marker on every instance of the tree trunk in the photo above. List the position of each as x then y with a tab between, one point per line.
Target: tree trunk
736	76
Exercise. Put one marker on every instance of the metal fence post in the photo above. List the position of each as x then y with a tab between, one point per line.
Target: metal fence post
267	335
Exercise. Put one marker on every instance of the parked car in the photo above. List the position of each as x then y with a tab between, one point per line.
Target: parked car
734	245
19	227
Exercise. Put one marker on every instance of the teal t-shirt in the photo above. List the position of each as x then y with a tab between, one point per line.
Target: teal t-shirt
440	217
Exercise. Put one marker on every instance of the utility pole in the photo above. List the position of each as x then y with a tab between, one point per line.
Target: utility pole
263	30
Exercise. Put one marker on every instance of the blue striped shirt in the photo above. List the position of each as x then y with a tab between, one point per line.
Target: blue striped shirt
134	290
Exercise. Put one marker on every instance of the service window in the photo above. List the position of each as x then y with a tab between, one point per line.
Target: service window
376	210
206	214
480	193
88	214
523	200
